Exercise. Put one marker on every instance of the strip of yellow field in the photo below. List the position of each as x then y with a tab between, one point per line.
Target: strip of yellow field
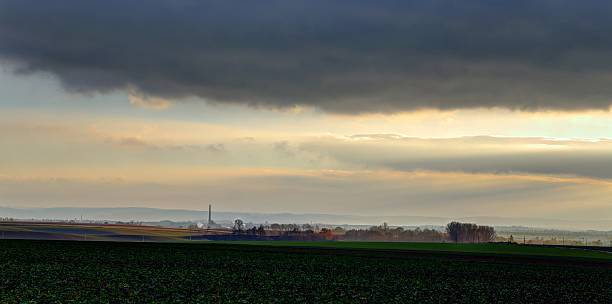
120	229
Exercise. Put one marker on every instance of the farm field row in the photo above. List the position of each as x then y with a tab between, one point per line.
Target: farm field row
481	248
99	232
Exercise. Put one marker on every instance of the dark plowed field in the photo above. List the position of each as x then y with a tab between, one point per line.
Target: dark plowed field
111	272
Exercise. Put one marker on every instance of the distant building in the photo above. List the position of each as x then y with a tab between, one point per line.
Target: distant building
209	215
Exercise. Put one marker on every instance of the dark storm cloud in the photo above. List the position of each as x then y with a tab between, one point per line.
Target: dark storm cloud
341	56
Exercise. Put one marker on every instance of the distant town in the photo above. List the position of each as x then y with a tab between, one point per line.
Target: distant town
82	228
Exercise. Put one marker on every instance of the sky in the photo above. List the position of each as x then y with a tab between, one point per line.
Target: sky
433	108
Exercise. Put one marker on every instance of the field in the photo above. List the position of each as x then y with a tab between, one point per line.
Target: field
100	232
117	272
471	249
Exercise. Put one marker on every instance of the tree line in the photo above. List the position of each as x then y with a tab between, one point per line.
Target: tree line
454	232
469	233
384	233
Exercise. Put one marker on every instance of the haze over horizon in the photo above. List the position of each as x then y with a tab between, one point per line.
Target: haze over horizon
412	108
174	217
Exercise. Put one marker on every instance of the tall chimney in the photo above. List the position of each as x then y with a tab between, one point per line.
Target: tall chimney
209	215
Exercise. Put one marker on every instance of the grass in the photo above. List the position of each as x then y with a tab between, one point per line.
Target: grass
498	249
105	272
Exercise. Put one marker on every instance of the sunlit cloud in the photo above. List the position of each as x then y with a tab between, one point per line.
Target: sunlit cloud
117	162
148	102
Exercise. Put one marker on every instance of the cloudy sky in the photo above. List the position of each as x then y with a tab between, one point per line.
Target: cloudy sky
438	108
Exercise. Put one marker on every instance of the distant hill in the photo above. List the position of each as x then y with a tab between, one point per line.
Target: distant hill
155	214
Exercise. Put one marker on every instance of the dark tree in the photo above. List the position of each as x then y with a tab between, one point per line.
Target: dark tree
469	233
453	229
238	225
261	230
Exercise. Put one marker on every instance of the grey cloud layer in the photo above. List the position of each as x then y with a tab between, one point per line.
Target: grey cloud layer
471	154
340	56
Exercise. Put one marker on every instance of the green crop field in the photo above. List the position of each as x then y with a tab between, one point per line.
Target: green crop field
113	272
483	248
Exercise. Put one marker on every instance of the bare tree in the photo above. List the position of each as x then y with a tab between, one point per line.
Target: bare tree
238	225
453	229
486	233
468	232
261	230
